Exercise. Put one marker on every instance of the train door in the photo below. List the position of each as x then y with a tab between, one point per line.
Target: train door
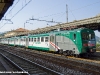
14	41
73	42
74	37
76	43
53	42
27	42
8	40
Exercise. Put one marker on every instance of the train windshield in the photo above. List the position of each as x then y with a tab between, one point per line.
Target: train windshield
88	36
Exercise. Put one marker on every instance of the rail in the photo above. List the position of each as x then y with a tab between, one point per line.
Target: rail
40	66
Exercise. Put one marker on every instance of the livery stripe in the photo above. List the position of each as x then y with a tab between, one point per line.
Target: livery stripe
54	45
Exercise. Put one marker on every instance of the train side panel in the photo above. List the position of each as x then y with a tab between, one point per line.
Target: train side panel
39	42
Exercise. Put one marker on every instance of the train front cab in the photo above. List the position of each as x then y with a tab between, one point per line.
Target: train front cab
88	41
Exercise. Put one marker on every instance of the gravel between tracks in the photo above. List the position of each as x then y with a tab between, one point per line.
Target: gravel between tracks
59	63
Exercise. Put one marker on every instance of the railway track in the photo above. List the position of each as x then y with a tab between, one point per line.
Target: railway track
31	68
8	67
60	64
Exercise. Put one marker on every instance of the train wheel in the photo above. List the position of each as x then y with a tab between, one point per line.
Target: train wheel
72	53
77	55
68	52
65	53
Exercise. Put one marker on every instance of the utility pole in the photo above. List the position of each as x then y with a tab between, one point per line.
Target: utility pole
67	13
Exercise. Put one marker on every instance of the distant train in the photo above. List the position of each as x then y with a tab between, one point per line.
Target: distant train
68	42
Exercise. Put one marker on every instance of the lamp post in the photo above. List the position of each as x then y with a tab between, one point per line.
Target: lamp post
67	13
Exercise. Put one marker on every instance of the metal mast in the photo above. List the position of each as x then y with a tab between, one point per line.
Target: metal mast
67	13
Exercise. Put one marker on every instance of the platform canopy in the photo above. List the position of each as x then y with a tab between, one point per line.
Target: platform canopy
4	6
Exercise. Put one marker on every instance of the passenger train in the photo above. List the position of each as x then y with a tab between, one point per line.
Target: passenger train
68	42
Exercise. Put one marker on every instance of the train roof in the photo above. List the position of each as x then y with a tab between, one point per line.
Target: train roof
55	32
62	31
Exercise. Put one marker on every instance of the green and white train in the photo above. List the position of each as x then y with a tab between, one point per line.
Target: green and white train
68	42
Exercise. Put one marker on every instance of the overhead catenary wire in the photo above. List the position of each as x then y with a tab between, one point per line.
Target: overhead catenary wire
21	9
86	6
82	7
16	13
61	16
49	8
12	7
73	10
52	15
67	14
45	20
10	11
72	13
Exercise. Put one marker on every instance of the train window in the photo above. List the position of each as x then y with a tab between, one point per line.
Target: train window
24	39
21	39
38	39
34	39
42	39
17	39
29	39
46	39
74	36
91	36
85	36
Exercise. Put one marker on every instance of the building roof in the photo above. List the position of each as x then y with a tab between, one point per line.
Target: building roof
21	30
16	32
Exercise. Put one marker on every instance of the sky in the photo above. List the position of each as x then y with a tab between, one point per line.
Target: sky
23	10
